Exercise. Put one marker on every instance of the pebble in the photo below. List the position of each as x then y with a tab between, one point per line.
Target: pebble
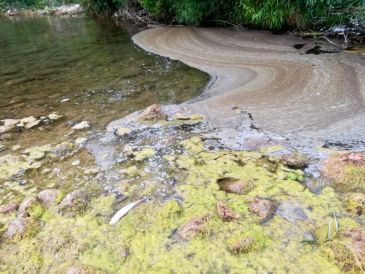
75	163
81	125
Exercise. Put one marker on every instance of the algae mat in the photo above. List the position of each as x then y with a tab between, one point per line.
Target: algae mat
285	90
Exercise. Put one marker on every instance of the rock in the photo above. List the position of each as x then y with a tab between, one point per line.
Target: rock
74	202
15	147
153	113
63	150
17	227
194	227
243	246
72	9
25	205
81	125
291	212
37	152
32	124
225	213
295	161
232	185
49	197
12	12
54	116
349	251
347	169
132	171
264	208
144	154
80	141
75	163
122	131
65	100
355	203
91	171
8	208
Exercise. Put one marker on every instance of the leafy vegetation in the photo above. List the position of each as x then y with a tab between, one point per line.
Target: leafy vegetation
273	14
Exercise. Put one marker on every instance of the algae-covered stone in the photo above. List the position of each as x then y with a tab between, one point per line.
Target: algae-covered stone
232	185
346	170
264	208
144	154
193	145
37	152
11	165
194	227
122	131
244	242
349	250
225	213
73	203
355	203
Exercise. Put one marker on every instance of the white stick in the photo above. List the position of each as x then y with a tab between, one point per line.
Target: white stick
123	211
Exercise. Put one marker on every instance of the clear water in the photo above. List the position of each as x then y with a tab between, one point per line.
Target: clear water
94	65
82	70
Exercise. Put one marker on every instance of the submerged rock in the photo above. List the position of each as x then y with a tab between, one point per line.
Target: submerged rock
49	197
153	113
122	131
264	208
25	205
8	208
292	212
73	203
81	125
16	227
225	213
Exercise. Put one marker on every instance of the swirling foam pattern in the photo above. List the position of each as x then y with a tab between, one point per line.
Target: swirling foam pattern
284	89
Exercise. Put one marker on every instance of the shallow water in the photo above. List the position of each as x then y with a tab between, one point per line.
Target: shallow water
96	66
85	71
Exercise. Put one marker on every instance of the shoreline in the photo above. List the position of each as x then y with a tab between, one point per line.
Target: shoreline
285	90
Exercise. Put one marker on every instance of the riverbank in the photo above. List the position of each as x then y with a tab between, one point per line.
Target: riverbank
62	10
221	182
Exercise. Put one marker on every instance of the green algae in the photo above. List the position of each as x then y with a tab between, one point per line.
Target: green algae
145	241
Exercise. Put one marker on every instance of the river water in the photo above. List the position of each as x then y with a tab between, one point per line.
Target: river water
84	71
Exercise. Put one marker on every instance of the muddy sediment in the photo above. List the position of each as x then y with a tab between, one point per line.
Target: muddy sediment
284	90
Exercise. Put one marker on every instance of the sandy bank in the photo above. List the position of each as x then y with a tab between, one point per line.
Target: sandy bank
285	90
